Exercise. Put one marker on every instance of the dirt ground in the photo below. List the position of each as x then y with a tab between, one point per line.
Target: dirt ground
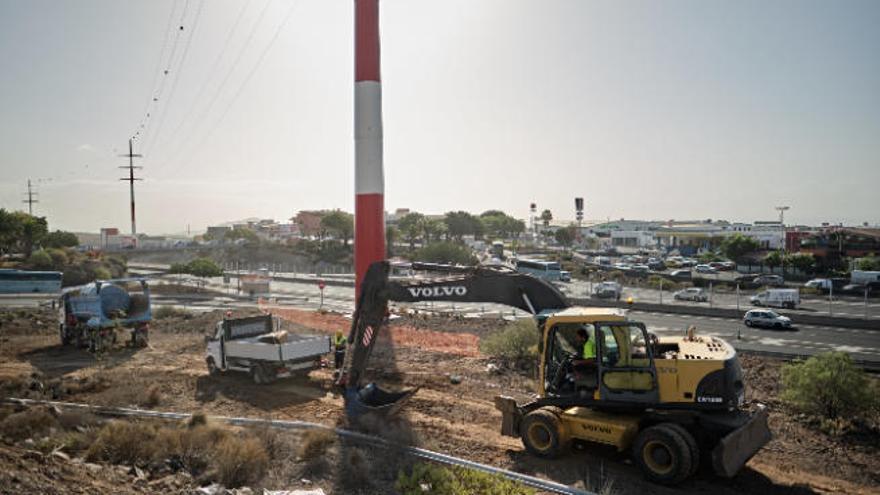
455	418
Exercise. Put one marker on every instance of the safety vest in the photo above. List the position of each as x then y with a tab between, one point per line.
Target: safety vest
339	341
590	349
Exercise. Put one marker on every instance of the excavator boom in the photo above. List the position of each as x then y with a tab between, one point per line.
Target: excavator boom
498	285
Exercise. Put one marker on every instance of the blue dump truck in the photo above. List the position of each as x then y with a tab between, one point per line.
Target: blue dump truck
91	314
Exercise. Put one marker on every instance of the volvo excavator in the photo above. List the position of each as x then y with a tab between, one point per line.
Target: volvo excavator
674	402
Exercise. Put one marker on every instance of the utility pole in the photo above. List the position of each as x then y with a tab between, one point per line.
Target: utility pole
131	178
30	198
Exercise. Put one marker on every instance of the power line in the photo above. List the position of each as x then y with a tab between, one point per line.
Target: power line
176	77
245	81
212	71
225	80
165	38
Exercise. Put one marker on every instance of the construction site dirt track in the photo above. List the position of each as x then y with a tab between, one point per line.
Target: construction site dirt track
454	416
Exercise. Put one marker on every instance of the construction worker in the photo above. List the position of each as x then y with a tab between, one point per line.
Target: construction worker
587	345
584	366
339	343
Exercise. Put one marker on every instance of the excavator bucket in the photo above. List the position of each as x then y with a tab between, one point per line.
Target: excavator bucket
372	399
738	446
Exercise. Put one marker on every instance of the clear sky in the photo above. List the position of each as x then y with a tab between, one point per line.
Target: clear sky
653	110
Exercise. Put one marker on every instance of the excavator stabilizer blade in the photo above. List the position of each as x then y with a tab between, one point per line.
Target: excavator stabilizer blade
737	447
372	399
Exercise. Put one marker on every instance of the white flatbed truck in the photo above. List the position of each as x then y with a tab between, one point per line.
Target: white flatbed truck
257	346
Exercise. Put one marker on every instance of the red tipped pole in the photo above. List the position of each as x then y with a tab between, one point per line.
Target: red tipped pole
369	181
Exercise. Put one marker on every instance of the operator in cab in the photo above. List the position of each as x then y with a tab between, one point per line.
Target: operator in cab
339	344
584	366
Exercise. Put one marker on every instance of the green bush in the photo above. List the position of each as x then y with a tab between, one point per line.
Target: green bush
829	386
200	267
40	260
446	252
439	480
516	344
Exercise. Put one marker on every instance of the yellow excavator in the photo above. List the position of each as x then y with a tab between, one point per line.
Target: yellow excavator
674	402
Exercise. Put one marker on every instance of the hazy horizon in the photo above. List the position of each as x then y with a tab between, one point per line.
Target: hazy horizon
680	110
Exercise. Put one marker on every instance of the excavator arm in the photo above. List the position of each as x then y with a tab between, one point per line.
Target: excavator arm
499	285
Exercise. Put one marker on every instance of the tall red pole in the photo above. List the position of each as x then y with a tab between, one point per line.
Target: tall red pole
369	181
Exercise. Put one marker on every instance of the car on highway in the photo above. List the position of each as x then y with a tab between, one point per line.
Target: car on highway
656	265
696	294
705	269
858	289
771	280
607	290
681	274
766	318
728	266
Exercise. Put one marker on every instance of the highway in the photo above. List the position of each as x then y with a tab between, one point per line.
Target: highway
803	340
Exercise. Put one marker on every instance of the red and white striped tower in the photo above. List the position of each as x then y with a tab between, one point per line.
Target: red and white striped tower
369	181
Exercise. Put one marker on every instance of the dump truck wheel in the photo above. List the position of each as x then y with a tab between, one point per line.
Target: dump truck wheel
691	443
663	455
542	434
212	367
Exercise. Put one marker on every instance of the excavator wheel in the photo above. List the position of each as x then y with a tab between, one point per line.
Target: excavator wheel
543	434
692	445
663	454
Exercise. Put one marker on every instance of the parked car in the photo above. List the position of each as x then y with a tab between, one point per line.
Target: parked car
771	280
622	266
728	265
688	262
640	268
705	269
766	318
780	298
564	276
607	290
696	294
681	274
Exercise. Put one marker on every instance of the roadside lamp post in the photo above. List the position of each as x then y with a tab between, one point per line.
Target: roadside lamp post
661	290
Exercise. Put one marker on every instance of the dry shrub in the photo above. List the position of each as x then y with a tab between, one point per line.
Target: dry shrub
240	461
27	423
153	397
197	445
355	470
77	442
315	443
197	419
123	442
76	418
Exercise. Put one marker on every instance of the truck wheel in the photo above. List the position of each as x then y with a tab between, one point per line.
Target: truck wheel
257	375
691	443
64	339
663	455
542	433
212	367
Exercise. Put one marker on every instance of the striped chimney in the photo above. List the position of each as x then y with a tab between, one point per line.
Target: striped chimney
369	182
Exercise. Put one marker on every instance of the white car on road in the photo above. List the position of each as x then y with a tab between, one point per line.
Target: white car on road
766	318
696	294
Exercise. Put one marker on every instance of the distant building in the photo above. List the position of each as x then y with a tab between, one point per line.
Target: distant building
308	222
217	232
833	244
